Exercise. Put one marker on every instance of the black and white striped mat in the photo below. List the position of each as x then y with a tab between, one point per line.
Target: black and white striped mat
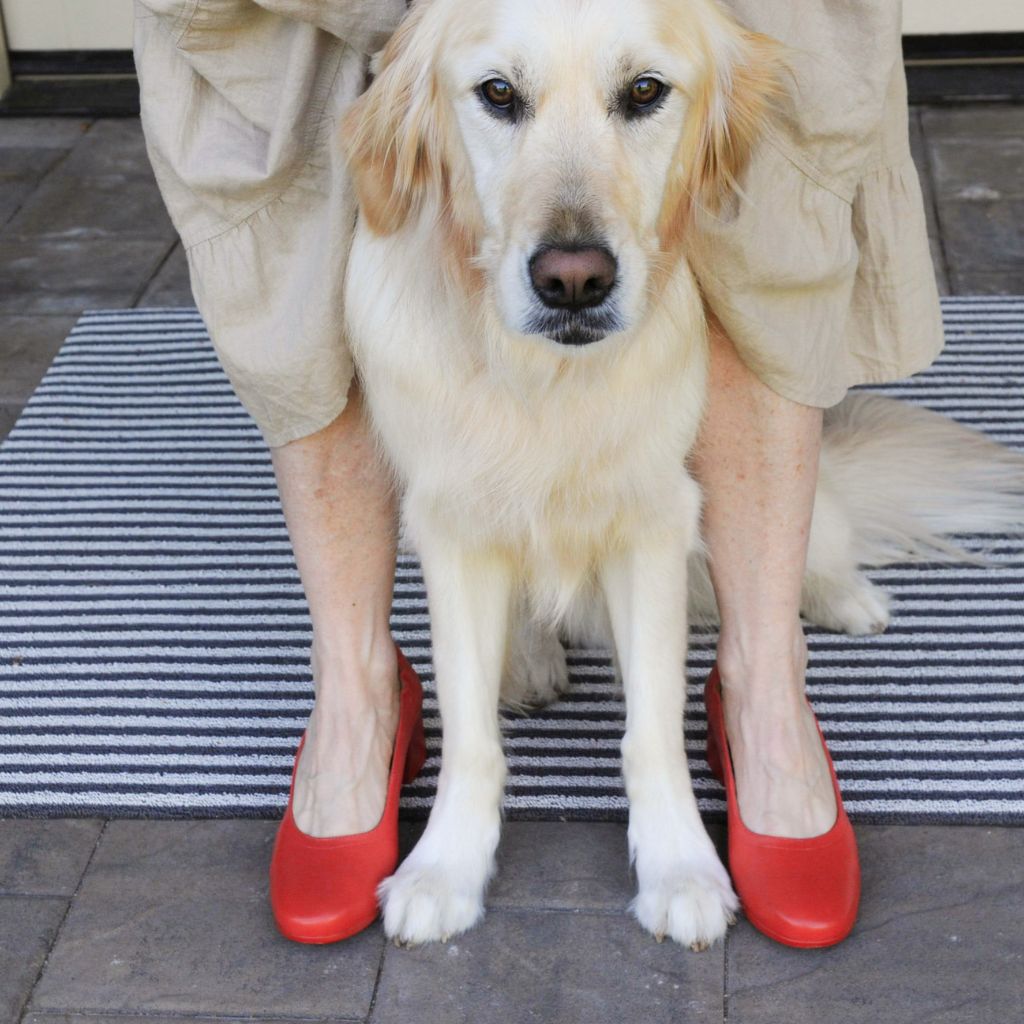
153	633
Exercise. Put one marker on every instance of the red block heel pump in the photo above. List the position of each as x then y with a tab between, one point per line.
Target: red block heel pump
325	890
800	892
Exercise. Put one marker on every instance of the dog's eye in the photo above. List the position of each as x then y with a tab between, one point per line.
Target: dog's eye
498	94
645	92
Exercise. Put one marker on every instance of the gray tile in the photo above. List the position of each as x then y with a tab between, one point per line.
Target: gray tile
572	865
113	147
970	282
104	187
976	157
8	416
571	968
131	1018
21	170
45	856
27	163
170	286
27	928
115	206
27	347
172	917
46	276
52	132
973	121
983	236
939	939
985	169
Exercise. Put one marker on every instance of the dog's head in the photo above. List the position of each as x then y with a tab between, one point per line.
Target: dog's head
561	144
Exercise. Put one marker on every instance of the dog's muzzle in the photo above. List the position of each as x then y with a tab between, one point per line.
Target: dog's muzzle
573	285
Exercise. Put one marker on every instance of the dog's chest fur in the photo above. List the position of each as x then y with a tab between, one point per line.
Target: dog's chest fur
508	443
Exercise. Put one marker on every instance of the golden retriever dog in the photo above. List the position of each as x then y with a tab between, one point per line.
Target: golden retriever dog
532	347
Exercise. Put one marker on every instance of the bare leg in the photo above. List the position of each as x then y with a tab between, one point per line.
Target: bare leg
757	461
341	515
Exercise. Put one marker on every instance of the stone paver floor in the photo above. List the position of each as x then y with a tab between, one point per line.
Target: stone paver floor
157	921
132	920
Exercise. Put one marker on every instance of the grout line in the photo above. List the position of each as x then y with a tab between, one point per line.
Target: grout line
141	290
20	203
376	980
725	974
197	1018
23	1009
39	181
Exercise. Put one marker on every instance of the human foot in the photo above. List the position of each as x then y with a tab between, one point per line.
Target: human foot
783	782
342	776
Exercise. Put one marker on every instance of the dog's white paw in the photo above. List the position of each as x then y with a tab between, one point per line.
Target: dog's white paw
428	904
856	606
536	674
692	907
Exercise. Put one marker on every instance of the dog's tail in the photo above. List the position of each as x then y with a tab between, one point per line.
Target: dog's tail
909	478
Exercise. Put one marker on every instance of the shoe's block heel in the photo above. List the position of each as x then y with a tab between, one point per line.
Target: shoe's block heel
416	755
714	757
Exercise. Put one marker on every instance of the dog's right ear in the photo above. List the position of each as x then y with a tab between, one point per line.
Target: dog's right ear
730	104
390	135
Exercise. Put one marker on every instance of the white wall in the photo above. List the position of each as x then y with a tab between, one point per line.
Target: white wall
107	24
927	17
68	24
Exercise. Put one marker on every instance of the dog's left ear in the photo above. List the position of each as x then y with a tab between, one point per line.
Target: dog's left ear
730	103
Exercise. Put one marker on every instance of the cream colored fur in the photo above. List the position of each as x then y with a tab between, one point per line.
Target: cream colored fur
544	485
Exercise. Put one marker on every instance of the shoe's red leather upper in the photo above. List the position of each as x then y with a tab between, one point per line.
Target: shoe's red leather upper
324	890
800	892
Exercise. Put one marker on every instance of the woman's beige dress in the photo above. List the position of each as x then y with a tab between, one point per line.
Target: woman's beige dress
821	274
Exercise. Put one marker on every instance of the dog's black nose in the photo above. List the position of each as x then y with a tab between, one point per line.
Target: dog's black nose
573	278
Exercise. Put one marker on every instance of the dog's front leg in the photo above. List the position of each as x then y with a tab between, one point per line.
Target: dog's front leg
438	890
683	889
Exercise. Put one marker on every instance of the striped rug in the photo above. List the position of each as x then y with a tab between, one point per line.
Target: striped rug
153	633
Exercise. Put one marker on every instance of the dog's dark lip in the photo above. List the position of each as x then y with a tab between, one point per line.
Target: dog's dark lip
576	338
574	328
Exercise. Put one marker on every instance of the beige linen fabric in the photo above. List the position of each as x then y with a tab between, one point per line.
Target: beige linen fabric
240	100
821	273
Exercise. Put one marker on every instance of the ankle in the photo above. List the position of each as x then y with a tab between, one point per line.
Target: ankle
350	719
763	674
355	675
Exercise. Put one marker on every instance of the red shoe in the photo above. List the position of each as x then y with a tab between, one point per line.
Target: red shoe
325	890
800	892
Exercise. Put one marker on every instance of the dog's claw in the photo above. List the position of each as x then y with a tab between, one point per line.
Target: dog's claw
700	947
659	938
